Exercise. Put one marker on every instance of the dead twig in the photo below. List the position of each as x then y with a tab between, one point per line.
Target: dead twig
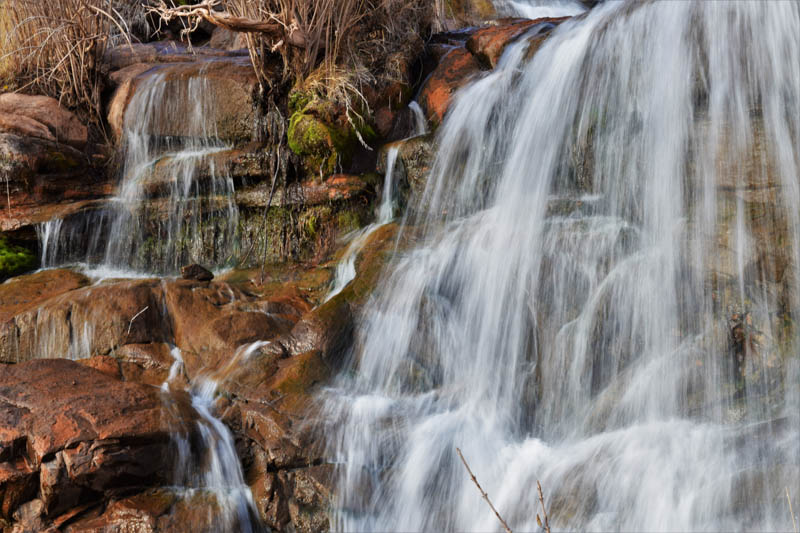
546	525
483	493
130	324
791	512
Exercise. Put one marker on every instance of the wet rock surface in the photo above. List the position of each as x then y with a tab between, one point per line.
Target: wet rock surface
489	43
91	467
85	446
456	58
71	435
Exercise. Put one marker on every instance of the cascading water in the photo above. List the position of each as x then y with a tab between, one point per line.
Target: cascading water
173	205
346	269
420	124
606	294
214	467
534	9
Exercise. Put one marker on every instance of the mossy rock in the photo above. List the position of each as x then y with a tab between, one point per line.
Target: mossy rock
323	135
14	259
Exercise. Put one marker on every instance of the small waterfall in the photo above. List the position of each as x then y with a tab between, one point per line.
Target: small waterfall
173	206
420	124
212	465
605	291
346	269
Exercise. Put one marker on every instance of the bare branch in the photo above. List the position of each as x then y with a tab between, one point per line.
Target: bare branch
282	32
485	496
546	524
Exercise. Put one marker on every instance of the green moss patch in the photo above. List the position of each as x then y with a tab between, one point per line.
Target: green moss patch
322	134
14	259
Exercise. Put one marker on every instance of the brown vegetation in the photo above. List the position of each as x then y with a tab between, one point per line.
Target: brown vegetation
56	48
343	42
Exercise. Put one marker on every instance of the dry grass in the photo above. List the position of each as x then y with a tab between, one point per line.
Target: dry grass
56	48
322	39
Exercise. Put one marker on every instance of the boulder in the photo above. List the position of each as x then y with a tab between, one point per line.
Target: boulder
24	126
24	293
44	179
62	125
209	322
196	272
228	82
456	69
70	434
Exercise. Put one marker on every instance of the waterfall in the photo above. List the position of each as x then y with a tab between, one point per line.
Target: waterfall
603	293
212	465
420	124
173	205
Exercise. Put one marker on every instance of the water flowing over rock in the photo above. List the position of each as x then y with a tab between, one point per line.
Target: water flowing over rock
604	298
161	218
575	256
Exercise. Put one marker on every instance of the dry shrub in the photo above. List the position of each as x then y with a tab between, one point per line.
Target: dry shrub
343	39
56	48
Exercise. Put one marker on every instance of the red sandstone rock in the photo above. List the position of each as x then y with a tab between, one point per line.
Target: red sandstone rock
455	69
488	43
69	433
63	125
29	291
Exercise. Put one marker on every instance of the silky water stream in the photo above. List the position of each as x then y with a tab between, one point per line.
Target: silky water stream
173	207
605	293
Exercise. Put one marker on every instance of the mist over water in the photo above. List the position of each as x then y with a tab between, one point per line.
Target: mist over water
605	294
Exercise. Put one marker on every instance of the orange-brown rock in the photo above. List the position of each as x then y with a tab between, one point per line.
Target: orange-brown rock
70	433
455	69
43	179
145	363
488	43
62	124
228	77
85	322
26	292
